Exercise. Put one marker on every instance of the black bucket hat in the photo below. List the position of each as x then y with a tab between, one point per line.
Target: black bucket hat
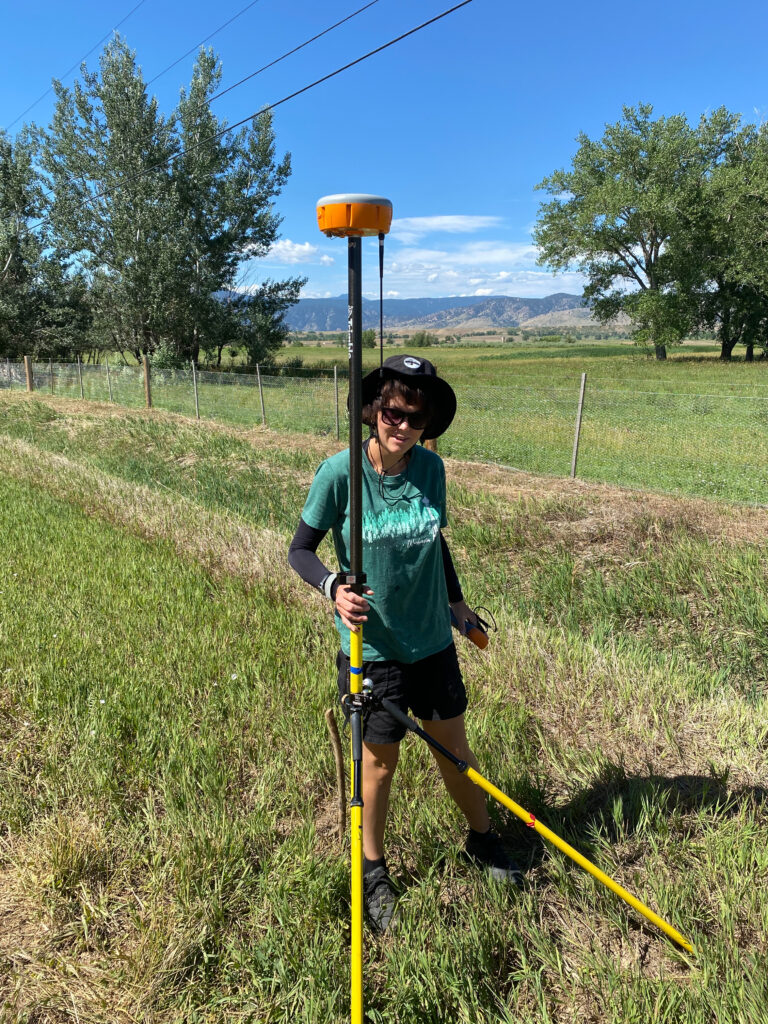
416	372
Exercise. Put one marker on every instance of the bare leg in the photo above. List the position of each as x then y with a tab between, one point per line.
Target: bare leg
469	798
379	763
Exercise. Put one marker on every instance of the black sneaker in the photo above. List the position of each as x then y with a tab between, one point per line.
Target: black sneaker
379	899
487	852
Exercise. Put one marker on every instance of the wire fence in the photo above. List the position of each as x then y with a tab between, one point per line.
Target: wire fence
712	445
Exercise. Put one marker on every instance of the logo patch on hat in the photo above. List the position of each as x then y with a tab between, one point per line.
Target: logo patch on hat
412	364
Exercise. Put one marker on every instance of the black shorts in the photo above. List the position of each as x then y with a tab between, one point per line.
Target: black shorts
432	689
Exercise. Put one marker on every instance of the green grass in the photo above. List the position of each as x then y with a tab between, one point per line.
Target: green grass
690	425
168	855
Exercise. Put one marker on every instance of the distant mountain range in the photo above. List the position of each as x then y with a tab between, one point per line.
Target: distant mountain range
469	312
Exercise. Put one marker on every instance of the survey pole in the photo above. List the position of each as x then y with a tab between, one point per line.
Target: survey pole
354	216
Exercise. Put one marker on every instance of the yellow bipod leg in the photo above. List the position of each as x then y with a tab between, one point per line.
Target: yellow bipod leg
547	833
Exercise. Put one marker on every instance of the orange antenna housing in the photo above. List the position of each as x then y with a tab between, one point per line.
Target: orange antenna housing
351	215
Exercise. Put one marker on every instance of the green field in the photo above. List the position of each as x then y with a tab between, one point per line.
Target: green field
691	425
167	807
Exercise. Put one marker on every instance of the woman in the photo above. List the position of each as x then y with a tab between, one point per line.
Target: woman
408	651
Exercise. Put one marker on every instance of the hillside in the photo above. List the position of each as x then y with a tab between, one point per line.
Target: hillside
454	312
576	319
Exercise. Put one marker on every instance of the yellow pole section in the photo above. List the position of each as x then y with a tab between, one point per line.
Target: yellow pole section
356	660
356	849
531	821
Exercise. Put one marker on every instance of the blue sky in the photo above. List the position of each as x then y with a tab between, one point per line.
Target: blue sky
455	125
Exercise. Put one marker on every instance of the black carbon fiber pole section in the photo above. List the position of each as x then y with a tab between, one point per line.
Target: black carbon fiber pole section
355	321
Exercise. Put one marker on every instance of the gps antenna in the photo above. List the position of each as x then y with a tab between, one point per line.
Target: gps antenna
354	217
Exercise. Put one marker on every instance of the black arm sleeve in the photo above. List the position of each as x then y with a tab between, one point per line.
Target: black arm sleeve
451	579
303	558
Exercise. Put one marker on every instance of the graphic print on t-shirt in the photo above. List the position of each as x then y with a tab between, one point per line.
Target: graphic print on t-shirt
413	526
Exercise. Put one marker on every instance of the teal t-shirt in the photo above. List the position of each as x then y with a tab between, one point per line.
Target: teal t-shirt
409	617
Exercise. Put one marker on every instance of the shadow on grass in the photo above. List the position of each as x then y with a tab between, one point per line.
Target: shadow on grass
616	809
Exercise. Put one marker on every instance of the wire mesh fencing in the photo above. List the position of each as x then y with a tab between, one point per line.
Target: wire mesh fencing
12	375
525	427
710	445
713	445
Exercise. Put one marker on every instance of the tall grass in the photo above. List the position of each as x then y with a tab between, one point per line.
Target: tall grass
167	846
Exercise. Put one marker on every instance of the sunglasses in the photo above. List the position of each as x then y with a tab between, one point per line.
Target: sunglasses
393	417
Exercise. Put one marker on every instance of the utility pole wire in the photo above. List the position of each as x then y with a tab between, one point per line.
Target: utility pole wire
48	194
198	45
76	64
277	60
294	50
270	106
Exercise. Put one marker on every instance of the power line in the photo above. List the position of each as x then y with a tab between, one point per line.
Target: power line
352	63
212	34
294	50
77	63
264	68
271	106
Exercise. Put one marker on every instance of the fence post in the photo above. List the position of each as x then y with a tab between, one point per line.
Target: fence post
109	379
50	370
80	376
147	383
8	368
261	397
336	390
578	426
194	385
28	371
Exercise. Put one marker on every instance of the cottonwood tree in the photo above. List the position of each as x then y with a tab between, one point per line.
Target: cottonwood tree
224	185
106	154
42	310
254	319
729	237
160	213
615	210
20	250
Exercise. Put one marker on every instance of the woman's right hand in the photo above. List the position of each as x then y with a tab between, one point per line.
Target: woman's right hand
352	607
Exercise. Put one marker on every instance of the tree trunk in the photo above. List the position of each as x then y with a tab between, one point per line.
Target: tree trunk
750	356
728	338
661	351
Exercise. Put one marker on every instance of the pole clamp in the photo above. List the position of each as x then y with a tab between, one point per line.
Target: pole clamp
360	702
352	579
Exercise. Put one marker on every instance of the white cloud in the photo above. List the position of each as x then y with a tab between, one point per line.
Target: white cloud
285	252
476	268
471	254
411	229
459	266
